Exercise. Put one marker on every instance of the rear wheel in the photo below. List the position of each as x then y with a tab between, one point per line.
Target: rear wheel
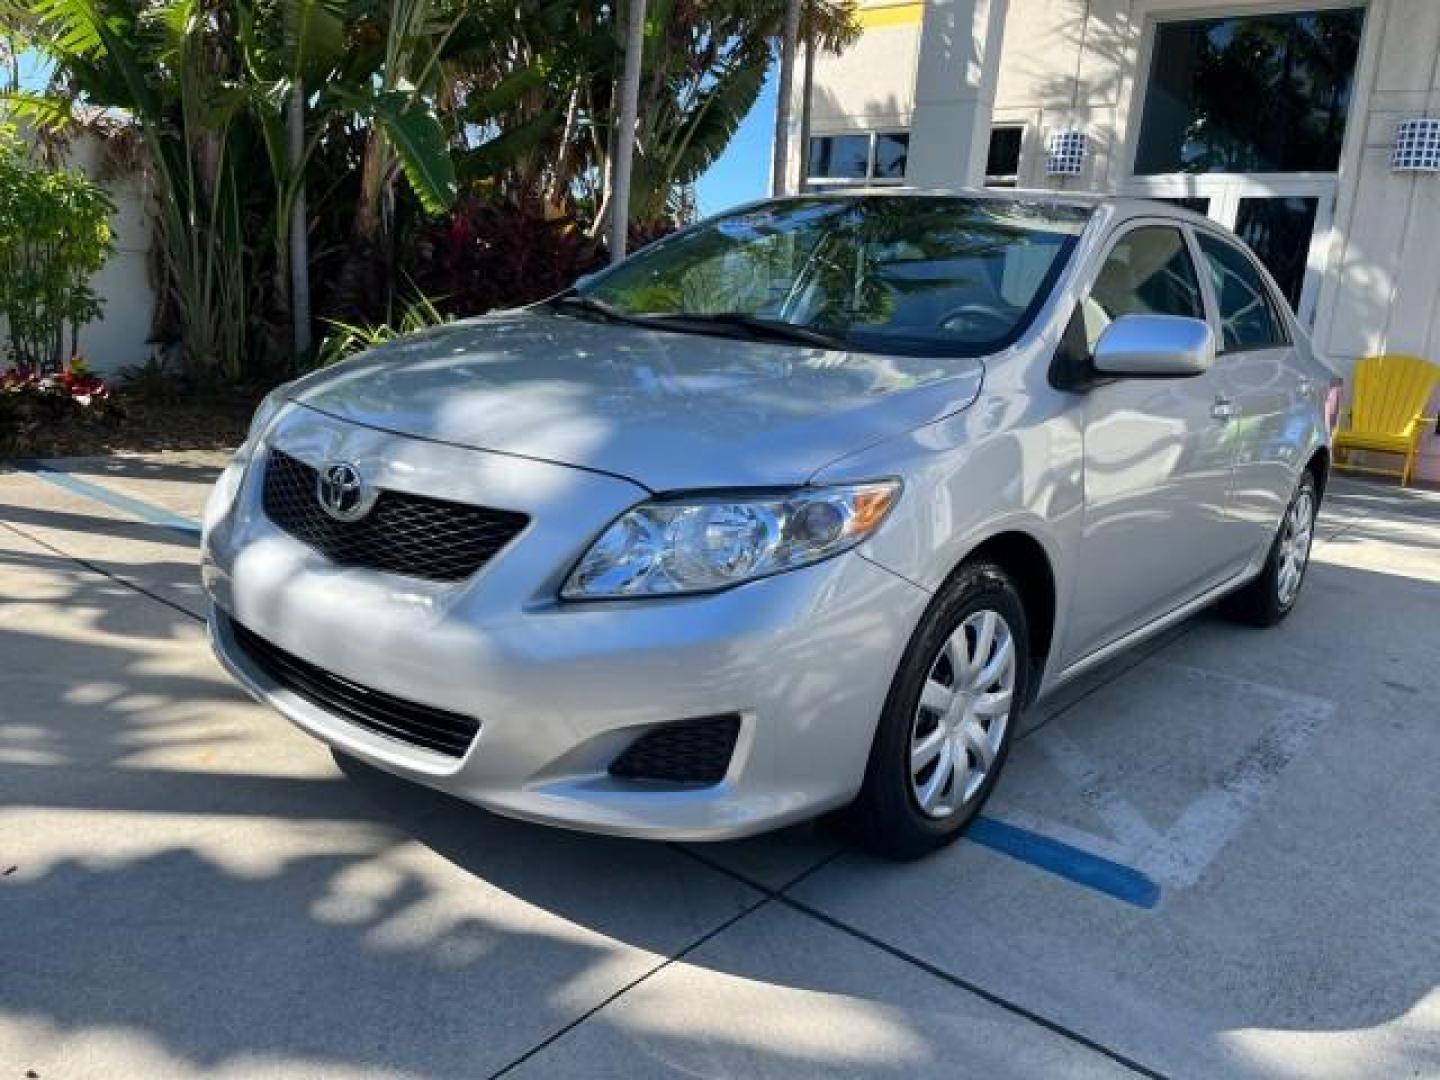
1272	595
949	718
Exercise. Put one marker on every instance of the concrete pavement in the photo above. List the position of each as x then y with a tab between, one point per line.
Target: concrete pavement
188	886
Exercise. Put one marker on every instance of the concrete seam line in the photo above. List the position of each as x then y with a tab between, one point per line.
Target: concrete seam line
746	879
565	1029
1341	530
97	569
975	989
767	896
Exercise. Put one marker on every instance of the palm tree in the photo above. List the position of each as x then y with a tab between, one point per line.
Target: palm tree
705	69
309	49
807	94
621	165
298	224
407	135
789	41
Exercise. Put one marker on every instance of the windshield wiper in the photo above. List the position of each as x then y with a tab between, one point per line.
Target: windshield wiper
575	301
754	326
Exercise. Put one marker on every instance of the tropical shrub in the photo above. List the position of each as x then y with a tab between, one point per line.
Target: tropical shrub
489	254
309	146
33	404
347	339
54	235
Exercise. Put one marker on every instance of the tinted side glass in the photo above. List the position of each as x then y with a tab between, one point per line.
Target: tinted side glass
1148	272
1247	315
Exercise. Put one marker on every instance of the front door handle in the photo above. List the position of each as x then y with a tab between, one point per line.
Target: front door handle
1224	409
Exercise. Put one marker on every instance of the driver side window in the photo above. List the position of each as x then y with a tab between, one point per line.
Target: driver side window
1148	272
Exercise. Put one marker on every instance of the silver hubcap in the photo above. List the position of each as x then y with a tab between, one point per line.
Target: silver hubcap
964	709
1295	546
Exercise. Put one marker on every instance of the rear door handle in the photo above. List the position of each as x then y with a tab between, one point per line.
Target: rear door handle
1306	387
1224	409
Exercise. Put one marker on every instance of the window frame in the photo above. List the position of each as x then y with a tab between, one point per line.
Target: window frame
818	184
1278	309
1192	248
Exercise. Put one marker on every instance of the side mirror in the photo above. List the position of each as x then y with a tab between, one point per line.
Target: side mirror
1155	346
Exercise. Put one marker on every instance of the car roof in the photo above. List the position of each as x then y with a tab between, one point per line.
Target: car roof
1124	206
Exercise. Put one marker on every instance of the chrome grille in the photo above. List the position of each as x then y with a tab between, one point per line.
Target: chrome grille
402	534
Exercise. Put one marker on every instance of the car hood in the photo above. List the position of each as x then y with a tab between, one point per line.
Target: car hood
666	409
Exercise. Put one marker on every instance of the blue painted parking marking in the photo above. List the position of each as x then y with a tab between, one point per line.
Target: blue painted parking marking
1072	863
155	515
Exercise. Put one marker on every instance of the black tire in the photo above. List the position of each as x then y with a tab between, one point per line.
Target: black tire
1261	602
886	817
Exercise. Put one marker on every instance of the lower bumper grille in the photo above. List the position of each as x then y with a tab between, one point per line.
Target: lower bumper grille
384	714
688	751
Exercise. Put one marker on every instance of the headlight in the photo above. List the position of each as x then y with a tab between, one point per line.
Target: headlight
701	544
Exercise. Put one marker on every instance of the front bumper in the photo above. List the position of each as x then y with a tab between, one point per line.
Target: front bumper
805	658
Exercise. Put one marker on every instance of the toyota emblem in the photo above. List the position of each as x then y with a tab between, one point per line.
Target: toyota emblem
342	492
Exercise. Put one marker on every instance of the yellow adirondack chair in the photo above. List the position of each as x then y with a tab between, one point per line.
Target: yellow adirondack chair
1385	413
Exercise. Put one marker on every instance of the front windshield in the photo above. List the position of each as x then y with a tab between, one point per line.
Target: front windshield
910	274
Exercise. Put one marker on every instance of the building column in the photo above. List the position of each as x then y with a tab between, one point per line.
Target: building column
959	66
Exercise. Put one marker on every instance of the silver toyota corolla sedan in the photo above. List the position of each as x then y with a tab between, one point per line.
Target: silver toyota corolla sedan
793	511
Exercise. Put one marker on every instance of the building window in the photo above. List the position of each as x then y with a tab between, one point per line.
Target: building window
1002	163
891	150
874	157
1260	93
840	157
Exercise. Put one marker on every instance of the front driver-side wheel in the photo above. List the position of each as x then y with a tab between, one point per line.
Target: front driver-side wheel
1272	595
949	718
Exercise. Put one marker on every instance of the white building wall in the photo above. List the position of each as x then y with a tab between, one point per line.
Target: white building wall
868	87
118	338
1080	63
872	84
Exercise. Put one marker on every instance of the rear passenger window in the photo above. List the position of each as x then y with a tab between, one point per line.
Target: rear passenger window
1148	272
1248	319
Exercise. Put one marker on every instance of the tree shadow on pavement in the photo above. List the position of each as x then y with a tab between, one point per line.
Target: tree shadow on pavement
195	887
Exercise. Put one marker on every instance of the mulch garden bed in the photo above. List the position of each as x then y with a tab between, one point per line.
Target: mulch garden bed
128	423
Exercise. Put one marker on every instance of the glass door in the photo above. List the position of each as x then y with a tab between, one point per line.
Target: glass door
1242	117
1280	229
1284	219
